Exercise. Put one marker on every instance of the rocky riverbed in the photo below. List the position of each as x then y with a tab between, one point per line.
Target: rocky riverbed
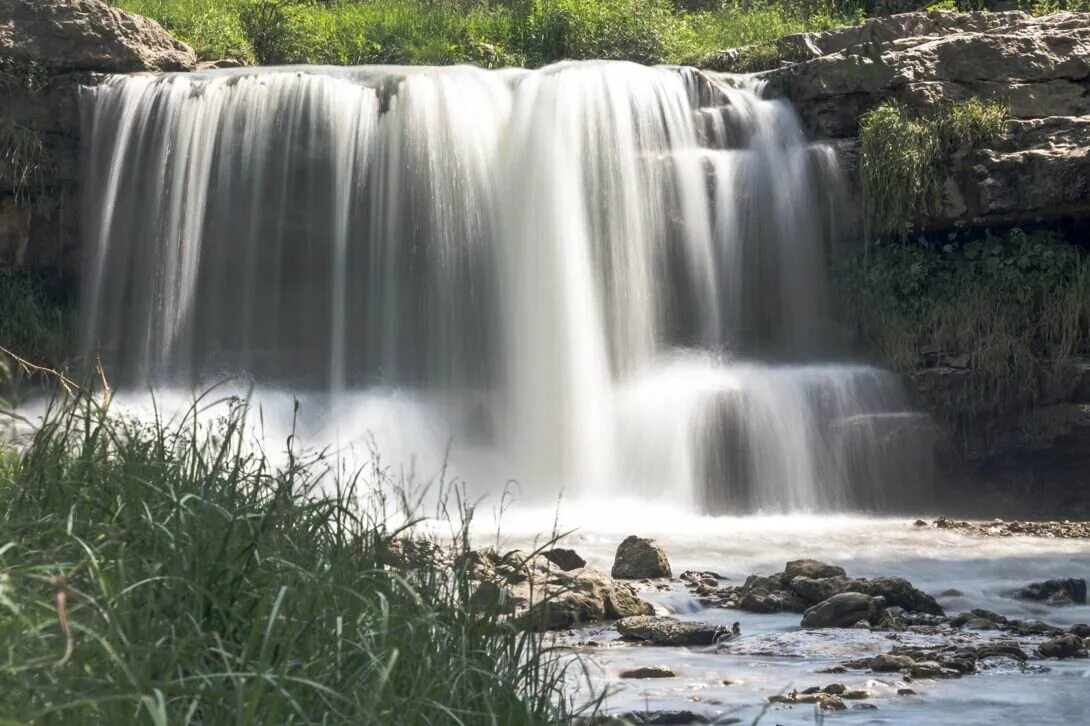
952	627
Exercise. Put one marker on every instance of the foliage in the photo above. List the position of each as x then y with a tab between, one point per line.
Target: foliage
171	572
1005	300
23	162
213	27
34	323
905	157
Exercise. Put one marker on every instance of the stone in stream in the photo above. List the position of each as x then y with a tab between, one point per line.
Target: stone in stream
1064	646
1082	630
888	663
649	672
1066	591
932	669
640	557
660	630
843	611
897	591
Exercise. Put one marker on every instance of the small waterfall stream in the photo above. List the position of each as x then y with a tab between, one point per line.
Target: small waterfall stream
596	278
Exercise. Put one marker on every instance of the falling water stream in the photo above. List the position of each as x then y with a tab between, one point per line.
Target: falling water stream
600	281
598	278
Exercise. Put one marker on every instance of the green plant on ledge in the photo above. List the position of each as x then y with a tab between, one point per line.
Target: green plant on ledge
1007	301
906	157
22	162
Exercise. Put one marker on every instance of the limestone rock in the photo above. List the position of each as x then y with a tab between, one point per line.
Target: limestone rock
668	631
843	611
88	35
640	557
888	663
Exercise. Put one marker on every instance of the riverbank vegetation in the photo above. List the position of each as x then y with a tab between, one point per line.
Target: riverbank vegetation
167	572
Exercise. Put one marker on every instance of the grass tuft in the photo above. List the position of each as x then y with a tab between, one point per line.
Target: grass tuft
170	572
906	157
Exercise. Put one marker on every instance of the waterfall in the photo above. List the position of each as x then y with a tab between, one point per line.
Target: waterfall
596	278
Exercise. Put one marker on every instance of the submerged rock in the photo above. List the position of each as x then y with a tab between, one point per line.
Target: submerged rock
640	557
661	630
1067	591
843	611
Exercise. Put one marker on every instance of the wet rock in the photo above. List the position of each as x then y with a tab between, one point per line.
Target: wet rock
864	707
814	569
667	631
661	718
888	663
639	557
952	592
857	695
815	590
1064	646
1066	591
1082	630
905	692
843	611
649	672
565	559
1033	627
932	669
836	689
827	701
899	591
980	624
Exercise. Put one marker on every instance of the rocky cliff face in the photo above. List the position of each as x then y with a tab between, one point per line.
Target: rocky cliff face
1039	66
48	48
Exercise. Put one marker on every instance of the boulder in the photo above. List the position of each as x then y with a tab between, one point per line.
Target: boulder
843	611
640	557
669	631
1063	646
531	588
88	35
662	718
813	569
1068	591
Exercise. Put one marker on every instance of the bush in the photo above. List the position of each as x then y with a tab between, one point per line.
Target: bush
35	323
162	573
213	27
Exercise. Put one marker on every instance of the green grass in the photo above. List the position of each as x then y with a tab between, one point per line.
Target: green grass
170	573
486	32
906	157
1008	301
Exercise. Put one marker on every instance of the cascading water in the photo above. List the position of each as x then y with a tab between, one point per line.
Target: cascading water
569	274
